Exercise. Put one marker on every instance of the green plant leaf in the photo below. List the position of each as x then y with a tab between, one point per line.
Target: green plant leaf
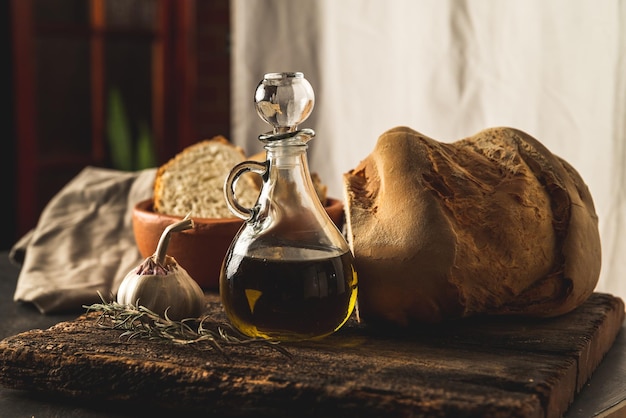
118	132
146	154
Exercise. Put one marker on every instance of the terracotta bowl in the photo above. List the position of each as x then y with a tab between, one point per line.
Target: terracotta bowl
200	250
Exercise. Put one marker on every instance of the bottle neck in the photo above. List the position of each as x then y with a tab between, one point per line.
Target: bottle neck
288	151
288	197
287	154
288	168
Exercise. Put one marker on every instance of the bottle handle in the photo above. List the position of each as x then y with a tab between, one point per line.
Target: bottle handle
231	181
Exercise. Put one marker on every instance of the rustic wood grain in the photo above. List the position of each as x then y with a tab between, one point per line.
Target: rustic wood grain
487	367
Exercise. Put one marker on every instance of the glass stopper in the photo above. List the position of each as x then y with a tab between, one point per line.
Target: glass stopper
284	100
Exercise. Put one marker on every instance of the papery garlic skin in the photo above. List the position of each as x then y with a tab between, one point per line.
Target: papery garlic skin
175	291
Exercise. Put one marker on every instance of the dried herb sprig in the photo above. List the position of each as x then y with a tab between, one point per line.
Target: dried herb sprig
203	332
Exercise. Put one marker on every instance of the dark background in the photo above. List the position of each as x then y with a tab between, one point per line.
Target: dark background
7	163
195	96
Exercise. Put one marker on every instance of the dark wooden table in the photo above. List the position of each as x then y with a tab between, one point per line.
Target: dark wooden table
380	366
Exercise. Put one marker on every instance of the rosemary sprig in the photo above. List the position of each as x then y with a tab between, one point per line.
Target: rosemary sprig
203	333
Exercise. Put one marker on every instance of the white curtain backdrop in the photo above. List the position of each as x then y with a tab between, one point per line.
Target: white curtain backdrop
554	69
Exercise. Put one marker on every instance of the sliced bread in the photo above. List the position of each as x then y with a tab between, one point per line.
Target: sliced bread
193	181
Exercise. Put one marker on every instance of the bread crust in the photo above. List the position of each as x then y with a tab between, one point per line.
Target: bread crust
490	224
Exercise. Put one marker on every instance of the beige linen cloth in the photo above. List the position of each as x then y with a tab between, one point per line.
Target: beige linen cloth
83	242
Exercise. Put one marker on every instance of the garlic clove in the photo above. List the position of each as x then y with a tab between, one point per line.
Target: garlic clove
161	285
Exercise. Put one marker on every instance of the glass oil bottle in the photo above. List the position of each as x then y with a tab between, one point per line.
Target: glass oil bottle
289	273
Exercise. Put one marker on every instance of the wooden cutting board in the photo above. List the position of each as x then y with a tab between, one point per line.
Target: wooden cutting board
487	367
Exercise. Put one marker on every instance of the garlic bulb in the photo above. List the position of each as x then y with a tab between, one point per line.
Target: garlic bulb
160	284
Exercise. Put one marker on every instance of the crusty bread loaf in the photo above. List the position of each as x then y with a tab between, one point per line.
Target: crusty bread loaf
193	181
491	224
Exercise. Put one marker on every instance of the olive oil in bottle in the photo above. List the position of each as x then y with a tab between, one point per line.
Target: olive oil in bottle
289	299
